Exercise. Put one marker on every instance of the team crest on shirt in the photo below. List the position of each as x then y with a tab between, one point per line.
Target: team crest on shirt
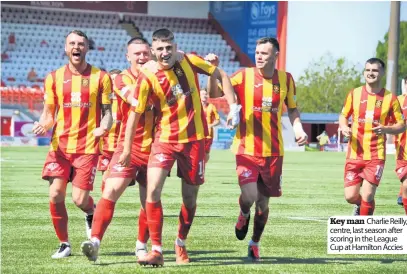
276	88
179	72
378	103
85	82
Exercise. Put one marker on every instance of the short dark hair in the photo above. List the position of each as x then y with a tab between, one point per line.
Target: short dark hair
375	60
405	78
270	40
164	35
78	32
138	40
115	71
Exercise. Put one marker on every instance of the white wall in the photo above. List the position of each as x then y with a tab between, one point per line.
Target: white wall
190	9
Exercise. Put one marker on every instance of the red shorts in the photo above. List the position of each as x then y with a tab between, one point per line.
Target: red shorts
137	169
190	159
208	144
401	170
104	160
358	170
80	169
265	171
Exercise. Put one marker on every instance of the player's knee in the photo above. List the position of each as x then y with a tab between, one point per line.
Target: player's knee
80	201
352	198
189	201
56	196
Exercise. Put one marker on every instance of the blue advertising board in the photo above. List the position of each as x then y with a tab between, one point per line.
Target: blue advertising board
246	22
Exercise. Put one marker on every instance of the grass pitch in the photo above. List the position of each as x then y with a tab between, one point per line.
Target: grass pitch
294	240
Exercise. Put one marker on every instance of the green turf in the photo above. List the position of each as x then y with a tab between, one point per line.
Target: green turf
312	186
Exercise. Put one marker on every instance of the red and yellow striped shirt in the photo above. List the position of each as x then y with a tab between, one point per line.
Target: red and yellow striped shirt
109	142
211	115
78	98
124	83
401	139
368	108
260	129
175	94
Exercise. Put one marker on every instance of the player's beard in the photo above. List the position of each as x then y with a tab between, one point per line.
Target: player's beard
77	63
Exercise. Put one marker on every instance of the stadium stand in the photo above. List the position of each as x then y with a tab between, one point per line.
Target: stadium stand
40	40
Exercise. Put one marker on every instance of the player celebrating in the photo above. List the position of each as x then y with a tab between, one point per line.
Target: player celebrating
212	119
108	142
138	53
181	128
258	143
78	94
401	151
372	108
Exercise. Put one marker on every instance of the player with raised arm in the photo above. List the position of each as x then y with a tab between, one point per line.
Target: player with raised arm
372	108
138	53
181	129
212	119
401	152
109	142
77	95
258	144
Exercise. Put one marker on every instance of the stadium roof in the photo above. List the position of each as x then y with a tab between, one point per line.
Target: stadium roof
320	118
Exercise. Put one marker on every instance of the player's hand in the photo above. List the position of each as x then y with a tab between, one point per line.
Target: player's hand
99	131
124	159
379	129
346	131
151	66
38	129
301	139
213	59
179	56
233	118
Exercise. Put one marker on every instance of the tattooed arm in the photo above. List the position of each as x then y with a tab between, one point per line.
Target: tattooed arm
107	121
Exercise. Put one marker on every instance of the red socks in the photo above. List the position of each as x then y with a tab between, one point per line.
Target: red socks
260	220
102	217
405	204
143	234
367	208
60	220
155	221
186	216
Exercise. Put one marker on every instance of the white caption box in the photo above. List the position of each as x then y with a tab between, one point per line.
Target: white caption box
367	235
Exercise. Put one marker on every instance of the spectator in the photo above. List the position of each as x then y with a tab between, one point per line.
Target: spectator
32	75
91	44
334	139
4	57
323	139
11	41
44	43
3	84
